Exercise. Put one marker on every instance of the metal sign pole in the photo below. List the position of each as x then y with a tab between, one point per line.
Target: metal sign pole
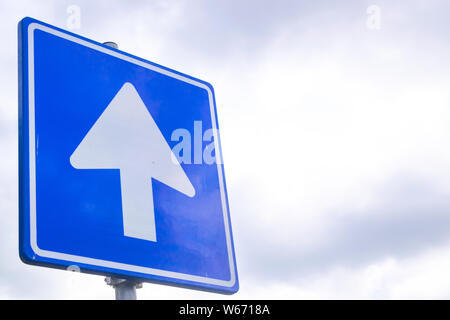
111	44
125	289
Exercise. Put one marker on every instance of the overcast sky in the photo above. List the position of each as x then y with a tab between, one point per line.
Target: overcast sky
334	122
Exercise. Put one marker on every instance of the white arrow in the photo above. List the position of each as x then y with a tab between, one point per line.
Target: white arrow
126	137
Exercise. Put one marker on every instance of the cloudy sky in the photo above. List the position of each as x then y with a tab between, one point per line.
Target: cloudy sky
334	121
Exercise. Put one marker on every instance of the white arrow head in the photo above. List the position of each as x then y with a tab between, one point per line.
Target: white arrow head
126	137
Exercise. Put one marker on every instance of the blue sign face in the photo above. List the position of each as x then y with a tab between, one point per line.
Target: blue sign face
120	165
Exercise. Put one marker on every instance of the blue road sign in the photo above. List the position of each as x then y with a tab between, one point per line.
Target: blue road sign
108	182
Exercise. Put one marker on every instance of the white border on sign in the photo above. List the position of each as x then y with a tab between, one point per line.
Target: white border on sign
98	262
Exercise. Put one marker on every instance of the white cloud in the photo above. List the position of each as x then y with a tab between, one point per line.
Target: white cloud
420	277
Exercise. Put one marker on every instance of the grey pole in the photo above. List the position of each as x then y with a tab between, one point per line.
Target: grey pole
125	289
111	44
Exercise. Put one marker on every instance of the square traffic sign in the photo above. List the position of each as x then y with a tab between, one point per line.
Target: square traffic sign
110	181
